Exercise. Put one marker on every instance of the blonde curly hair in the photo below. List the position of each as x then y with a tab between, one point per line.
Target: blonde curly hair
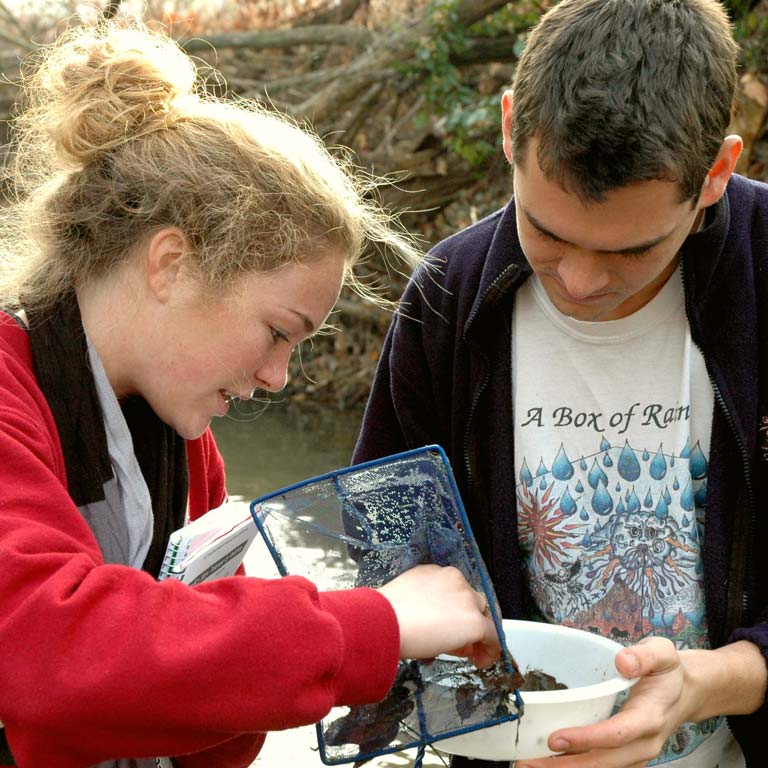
115	139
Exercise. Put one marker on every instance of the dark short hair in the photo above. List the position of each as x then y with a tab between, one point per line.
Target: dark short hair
622	91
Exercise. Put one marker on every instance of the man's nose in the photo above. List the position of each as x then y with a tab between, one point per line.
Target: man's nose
583	274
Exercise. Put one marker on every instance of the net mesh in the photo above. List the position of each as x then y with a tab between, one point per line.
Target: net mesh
363	526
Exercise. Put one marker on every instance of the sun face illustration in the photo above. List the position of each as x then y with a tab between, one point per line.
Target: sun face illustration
541	523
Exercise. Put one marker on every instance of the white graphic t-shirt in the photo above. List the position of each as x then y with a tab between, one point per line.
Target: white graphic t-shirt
612	426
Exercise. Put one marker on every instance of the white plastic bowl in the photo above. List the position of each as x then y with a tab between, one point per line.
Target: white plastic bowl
581	660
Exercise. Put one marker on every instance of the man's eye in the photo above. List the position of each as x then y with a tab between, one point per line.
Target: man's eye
548	237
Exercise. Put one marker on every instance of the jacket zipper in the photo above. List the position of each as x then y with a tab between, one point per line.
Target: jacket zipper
481	387
751	505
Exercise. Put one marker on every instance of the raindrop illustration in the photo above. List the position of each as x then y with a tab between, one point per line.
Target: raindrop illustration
526	478
658	465
672	460
584	515
646	455
700	497
648	501
662	509
686	500
618	487
583	464
620	508
686	452
579	487
629	466
675	485
686	521
602	502
633	503
667	496
698	463
607	461
543	484
561	468
567	504
542	470
605	445
596	475
587	540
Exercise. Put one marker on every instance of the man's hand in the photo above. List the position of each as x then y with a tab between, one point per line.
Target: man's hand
674	687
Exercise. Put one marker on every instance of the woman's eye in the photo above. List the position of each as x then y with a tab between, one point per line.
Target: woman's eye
278	335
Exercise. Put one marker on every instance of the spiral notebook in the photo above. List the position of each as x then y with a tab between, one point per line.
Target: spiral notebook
210	547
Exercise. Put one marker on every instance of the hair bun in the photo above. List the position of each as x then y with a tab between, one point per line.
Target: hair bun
106	85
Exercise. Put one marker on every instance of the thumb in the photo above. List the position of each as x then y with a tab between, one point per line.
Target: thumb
651	656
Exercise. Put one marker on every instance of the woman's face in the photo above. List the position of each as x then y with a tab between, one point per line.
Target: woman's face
209	349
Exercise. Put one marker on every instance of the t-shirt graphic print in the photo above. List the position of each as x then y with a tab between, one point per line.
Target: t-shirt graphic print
612	425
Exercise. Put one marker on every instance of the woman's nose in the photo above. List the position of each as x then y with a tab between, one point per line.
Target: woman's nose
273	374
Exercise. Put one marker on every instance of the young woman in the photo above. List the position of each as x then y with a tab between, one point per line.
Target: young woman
165	254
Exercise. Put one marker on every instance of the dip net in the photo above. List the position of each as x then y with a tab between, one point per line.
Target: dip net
363	526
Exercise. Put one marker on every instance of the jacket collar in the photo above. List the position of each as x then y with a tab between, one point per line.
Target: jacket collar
721	304
720	297
505	269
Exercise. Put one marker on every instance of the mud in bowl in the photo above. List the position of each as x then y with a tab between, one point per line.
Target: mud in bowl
581	660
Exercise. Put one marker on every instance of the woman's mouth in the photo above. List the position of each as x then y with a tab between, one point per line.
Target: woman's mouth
225	400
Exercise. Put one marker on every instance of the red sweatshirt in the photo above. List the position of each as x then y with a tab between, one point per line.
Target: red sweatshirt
102	661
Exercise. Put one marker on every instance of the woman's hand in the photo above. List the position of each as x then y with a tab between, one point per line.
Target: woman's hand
674	687
438	612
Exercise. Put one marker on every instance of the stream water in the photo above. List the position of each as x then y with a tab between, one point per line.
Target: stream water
281	446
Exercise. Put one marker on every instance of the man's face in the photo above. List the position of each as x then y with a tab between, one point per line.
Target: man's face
600	260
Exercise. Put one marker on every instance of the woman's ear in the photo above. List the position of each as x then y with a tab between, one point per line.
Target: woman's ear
506	123
721	171
165	255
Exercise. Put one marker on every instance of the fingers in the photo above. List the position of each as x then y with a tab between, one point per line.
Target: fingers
438	612
485	655
651	656
615	732
639	730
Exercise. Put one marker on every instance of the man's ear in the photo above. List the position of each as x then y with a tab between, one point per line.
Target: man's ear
506	123
721	171
165	257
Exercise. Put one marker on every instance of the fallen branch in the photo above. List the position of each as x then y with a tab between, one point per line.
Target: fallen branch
327	34
331	13
385	53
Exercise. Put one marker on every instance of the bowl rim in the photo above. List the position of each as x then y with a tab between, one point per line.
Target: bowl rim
608	687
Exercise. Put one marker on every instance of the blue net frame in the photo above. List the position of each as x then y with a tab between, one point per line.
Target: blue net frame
362	526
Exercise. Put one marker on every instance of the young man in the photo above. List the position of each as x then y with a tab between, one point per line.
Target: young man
594	359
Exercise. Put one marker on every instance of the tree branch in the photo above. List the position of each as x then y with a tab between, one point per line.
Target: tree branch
327	34
393	49
11	19
479	50
331	13
470	11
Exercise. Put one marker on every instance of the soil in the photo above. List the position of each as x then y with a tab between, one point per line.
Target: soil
498	676
536	680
